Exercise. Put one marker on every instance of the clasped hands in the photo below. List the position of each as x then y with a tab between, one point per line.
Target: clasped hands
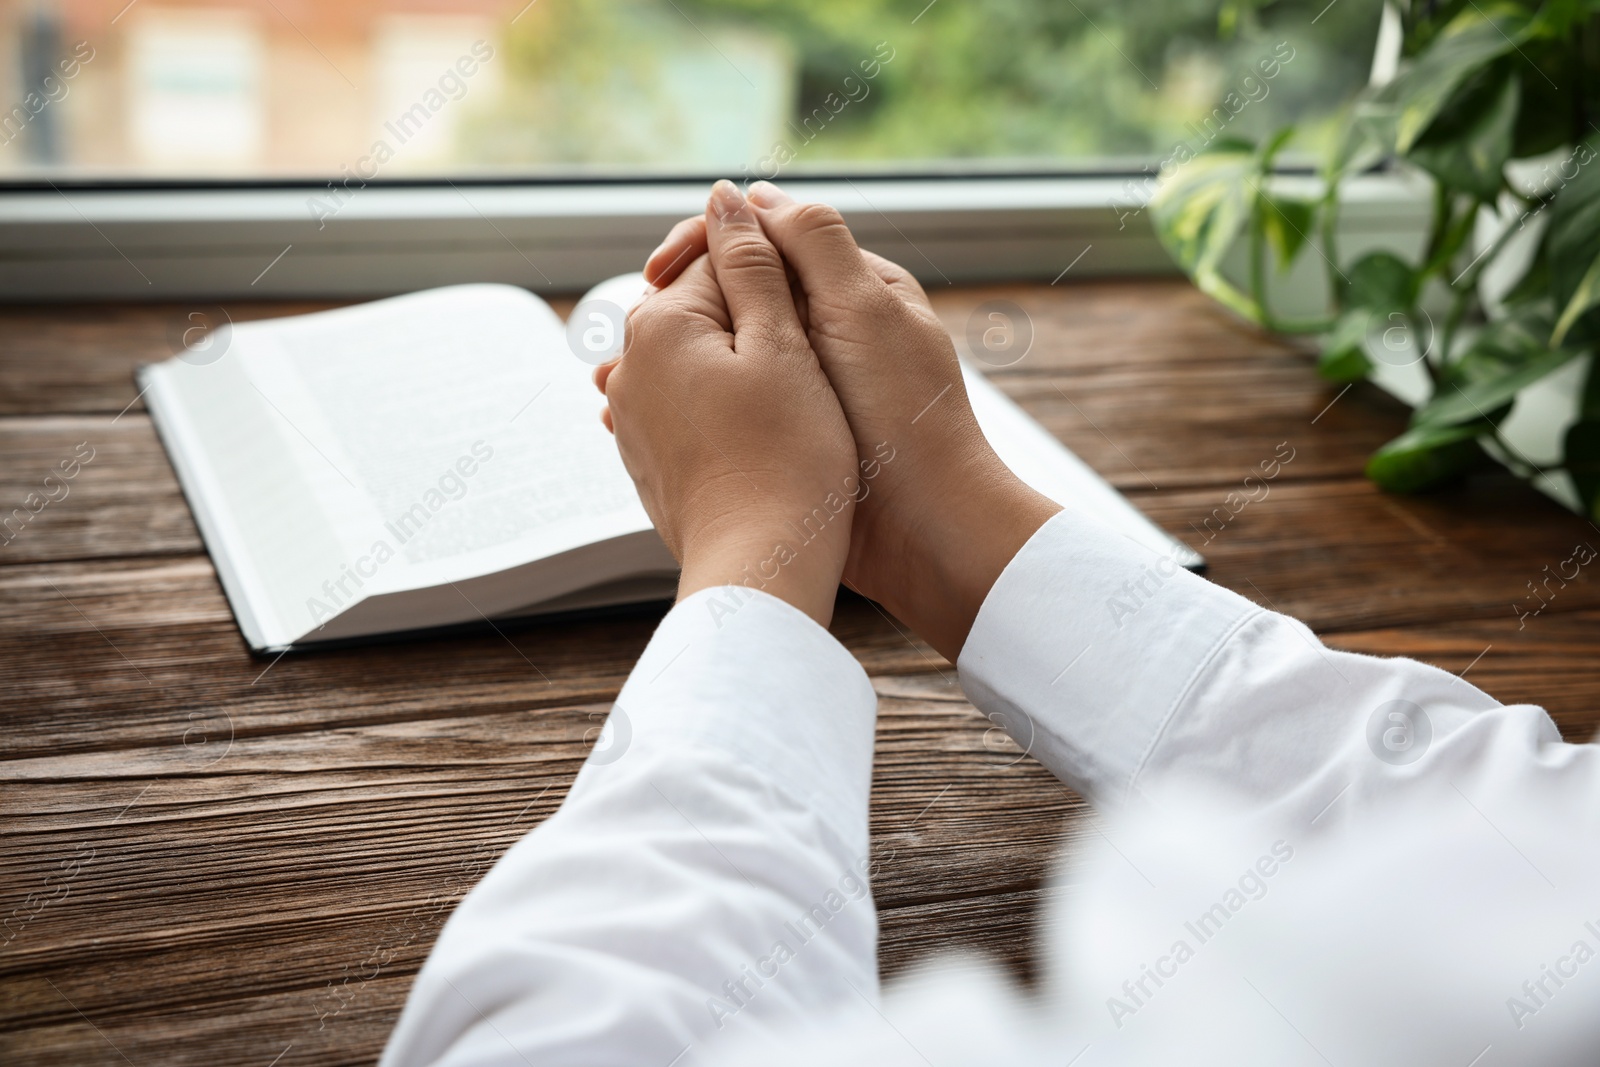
793	414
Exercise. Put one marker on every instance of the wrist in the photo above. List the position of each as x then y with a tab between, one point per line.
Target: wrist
780	561
958	548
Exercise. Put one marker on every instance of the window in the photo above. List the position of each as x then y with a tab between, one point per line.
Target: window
323	89
327	148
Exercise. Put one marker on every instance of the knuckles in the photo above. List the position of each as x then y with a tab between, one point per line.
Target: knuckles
766	335
748	251
804	219
658	322
868	311
665	336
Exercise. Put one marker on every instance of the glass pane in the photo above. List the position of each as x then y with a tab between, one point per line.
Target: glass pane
341	89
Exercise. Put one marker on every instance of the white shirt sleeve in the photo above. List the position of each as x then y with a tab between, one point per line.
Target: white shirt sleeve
1414	883
708	870
1315	857
1123	673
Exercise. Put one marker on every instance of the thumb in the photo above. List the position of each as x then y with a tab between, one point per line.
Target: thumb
750	271
817	244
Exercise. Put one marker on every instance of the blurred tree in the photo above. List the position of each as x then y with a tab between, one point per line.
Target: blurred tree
1031	82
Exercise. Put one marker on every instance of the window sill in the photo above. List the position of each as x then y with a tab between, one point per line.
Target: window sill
158	244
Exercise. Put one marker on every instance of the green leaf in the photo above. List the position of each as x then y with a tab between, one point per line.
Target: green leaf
1229	143
1582	458
1472	39
1510	342
1344	355
1288	222
1504	358
1573	236
1581	452
1468	144
1589	401
1426	456
1559	19
1396	115
1273	145
1199	209
1227	19
1381	282
1461	403
1584	297
1534	284
1344	364
1544	119
1359	144
1200	206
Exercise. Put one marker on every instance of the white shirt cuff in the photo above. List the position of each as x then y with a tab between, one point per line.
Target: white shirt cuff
1087	645
738	670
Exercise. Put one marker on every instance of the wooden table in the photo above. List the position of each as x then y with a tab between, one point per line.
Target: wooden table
213	860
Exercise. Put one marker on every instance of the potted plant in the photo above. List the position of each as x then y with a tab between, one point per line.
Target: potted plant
1497	106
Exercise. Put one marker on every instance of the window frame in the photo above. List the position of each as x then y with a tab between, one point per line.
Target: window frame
84	239
77	241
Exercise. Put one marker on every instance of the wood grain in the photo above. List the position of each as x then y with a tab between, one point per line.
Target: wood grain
122	498
81	360
123	652
1341	554
131	653
1103	325
206	857
1547	660
263	832
1179	426
223	869
78	360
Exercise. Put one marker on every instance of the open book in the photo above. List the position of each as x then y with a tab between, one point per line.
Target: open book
437	459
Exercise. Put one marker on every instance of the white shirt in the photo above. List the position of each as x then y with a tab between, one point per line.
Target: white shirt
1317	857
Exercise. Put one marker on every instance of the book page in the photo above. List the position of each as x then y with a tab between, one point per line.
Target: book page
445	434
270	542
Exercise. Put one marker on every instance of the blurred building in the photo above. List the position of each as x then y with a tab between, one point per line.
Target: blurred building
237	87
